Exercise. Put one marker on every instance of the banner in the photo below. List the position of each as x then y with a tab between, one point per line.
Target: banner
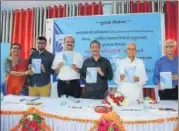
114	32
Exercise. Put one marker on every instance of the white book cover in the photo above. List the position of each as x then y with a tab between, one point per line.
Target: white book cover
91	75
68	58
166	80
36	66
130	72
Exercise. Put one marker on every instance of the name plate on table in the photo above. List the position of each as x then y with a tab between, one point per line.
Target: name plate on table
166	80
91	75
36	66
68	58
130	72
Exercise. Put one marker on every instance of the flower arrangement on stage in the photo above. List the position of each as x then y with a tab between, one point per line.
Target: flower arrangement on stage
150	100
116	99
31	121
106	125
108	122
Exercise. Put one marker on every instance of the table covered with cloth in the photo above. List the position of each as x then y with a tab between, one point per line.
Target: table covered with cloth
79	115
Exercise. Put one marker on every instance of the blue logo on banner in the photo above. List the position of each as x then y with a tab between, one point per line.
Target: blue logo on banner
58	47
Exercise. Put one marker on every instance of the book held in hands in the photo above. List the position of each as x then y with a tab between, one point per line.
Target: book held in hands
166	80
68	58
130	72
91	75
36	66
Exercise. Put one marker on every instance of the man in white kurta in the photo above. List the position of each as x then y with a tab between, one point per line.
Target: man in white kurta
130	85
68	75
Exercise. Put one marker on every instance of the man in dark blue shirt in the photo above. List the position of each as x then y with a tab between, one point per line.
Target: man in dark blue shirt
39	83
168	63
104	73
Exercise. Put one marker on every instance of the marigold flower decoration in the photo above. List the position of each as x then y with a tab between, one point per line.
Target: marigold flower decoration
176	128
108	122
31	122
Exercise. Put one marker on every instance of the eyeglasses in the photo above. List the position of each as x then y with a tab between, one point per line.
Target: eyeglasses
41	43
94	47
69	42
131	49
18	48
169	46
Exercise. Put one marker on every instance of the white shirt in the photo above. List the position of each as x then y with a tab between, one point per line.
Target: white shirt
66	72
125	62
132	91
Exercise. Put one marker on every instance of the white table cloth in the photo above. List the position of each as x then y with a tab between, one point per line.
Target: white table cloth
53	106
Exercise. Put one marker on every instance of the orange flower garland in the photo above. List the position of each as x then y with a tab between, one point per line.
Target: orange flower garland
32	109
45	126
12	112
111	116
176	128
172	119
144	121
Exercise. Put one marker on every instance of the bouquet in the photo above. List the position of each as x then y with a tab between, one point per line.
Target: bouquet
108	122
31	122
116	99
107	125
148	100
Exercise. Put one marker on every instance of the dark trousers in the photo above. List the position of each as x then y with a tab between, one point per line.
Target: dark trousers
90	93
94	95
69	88
169	94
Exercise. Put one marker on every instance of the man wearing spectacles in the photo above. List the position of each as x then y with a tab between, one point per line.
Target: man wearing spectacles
130	75
39	82
67	65
168	63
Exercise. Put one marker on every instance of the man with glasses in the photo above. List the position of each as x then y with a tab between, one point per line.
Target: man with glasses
67	65
39	83
130	75
168	63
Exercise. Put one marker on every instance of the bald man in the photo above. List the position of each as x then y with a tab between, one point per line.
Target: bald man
131	85
68	72
168	63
